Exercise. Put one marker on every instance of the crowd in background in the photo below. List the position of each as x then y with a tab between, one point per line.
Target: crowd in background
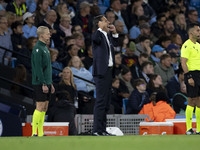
147	60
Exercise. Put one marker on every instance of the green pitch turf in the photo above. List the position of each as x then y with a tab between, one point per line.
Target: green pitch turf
147	142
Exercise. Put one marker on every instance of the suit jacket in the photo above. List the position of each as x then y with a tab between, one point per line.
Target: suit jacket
100	49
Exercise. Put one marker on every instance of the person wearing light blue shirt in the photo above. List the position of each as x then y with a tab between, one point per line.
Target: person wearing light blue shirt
29	29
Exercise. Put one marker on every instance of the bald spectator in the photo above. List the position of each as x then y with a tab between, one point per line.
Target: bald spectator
41	10
83	17
5	41
119	26
56	34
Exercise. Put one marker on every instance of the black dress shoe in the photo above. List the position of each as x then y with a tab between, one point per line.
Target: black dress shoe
108	134
97	134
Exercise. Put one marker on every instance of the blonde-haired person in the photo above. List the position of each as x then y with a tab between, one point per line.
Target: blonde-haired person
65	24
78	69
56	74
181	26
41	79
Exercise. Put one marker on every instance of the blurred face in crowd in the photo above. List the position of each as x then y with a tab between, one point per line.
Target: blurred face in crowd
11	20
139	11
193	17
145	31
76	62
78	29
64	9
116	5
71	42
169	26
181	19
80	42
146	42
119	27
183	87
141	88
158	81
3	24
118	59
165	44
110	16
66	74
141	60
54	57
161	22
178	40
52	16
167	62
73	51
158	54
65	22
116	84
30	20
127	76
18	30
44	6
148	69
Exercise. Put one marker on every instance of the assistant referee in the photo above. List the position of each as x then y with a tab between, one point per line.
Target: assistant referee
41	79
190	60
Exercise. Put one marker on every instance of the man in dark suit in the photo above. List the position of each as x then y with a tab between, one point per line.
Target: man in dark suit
104	39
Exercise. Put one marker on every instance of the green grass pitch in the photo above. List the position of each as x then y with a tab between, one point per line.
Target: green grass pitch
134	142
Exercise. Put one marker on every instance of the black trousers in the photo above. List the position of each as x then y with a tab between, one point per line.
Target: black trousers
103	99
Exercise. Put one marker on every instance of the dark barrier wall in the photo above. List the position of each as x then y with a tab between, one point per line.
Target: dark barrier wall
10	125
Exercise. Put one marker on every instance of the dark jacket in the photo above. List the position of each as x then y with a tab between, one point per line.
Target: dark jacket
136	101
100	50
17	39
173	87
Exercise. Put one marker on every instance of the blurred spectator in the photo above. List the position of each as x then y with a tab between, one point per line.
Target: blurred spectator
41	10
145	30
118	66
181	26
137	11
17	38
160	111
110	15
148	10
168	27
20	78
83	18
95	10
2	9
72	50
18	7
65	24
126	85
119	26
176	39
123	43
61	10
164	41
63	111
11	18
164	68
76	29
180	99
135	30
56	34
78	69
173	48
173	85
29	29
56	74
174	10
143	46
115	6
175	60
192	17
129	58
136	69
147	71
156	53
116	99
80	43
157	27
30	43
138	98
88	61
155	84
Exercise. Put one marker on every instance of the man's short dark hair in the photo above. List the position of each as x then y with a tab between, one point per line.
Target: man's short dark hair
164	56
146	64
160	16
145	55
138	82
143	38
96	21
191	25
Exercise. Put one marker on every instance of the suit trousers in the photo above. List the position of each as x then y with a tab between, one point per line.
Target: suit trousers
103	99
